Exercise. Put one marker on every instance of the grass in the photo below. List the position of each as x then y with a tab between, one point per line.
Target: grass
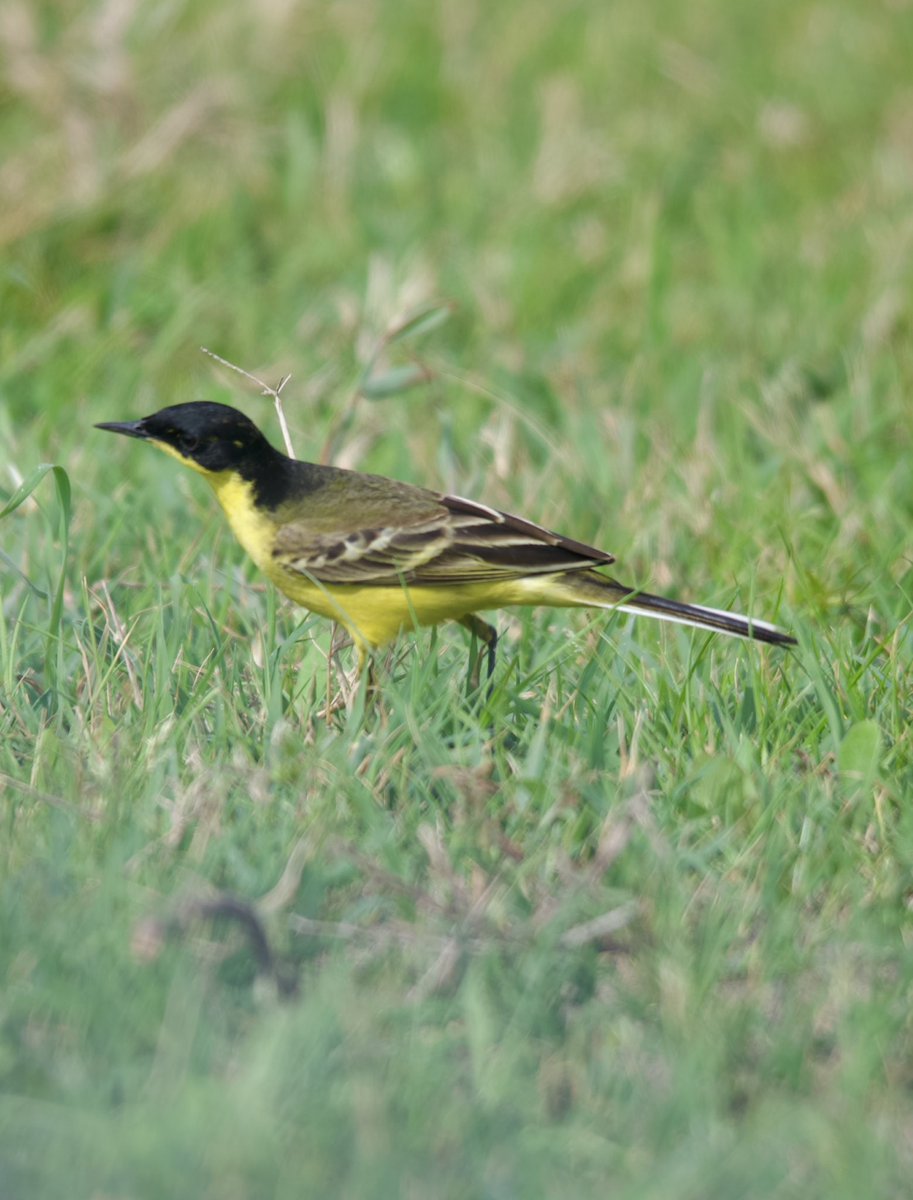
637	922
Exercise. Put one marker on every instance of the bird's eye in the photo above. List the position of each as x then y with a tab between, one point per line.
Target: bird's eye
189	443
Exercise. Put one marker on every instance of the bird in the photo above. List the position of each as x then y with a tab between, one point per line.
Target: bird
380	556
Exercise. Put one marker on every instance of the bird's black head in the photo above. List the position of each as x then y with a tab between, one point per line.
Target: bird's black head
208	437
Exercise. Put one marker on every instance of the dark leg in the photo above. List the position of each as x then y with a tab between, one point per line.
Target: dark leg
486	634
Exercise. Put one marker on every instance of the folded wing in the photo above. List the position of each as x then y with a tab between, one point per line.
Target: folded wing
451	542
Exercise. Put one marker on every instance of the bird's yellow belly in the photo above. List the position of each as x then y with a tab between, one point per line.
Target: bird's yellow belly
375	615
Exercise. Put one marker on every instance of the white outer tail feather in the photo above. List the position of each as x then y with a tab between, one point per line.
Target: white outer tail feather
750	622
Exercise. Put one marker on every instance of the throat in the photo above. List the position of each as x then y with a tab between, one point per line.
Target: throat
251	521
254	495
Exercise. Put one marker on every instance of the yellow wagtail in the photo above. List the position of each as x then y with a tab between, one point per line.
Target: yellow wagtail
381	556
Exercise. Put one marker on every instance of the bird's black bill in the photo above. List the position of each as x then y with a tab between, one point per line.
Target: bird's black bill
128	428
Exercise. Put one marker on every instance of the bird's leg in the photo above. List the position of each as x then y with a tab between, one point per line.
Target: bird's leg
365	671
347	681
363	659
488	635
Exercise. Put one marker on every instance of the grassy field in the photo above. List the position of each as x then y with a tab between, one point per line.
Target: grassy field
636	924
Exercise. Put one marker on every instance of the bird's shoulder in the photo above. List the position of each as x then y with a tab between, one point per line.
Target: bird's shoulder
335	500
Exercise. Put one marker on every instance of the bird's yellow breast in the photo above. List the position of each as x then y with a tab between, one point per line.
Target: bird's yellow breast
254	528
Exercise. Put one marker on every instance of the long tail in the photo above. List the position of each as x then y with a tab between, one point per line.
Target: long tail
594	588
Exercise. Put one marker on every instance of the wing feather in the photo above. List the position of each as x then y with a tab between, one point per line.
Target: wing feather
449	541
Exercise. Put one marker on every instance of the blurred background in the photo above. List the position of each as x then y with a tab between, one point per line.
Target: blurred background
638	216
641	270
633	209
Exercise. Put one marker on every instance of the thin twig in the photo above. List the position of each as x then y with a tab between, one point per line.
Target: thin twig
34	793
285	890
601	928
120	635
443	976
150	934
266	390
398	933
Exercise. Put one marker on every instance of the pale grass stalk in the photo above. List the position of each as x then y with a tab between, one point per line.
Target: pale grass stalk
275	392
